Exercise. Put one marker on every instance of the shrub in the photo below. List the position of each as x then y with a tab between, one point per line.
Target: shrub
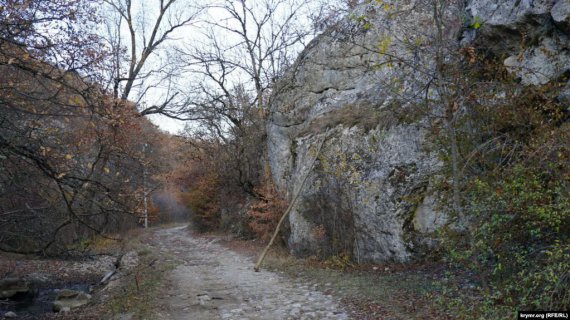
264	213
203	201
521	238
516	186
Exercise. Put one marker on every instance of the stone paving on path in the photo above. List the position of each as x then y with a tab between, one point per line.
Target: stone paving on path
213	282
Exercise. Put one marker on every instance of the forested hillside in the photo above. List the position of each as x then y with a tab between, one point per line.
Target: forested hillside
73	158
399	133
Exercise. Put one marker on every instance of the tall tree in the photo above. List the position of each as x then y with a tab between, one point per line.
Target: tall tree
66	153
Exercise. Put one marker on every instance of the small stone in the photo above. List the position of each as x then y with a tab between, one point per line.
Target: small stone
70	299
10	315
203	299
126	316
295	312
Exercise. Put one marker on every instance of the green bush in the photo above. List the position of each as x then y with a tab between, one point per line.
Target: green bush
521	238
515	186
516	193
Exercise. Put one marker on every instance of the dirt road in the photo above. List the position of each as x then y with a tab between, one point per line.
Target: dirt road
213	282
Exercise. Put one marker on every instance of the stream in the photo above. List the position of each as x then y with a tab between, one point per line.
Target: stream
39	300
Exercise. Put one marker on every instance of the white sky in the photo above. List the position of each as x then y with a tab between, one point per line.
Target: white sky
167	124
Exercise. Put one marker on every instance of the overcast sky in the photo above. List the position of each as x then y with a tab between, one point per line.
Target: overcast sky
167	124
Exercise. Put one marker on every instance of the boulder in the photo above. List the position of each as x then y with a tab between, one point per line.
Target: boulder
70	299
11	287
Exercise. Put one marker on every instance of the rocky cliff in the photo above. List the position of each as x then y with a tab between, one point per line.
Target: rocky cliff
364	87
534	35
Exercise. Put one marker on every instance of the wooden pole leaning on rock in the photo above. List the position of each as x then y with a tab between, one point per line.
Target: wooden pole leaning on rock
295	196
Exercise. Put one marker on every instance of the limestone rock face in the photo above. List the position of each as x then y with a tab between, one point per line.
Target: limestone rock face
533	34
361	85
375	172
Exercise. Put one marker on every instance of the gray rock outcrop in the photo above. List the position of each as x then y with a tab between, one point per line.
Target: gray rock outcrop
376	169
534	35
365	83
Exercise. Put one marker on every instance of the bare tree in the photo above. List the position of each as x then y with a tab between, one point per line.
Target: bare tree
249	44
243	48
139	33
